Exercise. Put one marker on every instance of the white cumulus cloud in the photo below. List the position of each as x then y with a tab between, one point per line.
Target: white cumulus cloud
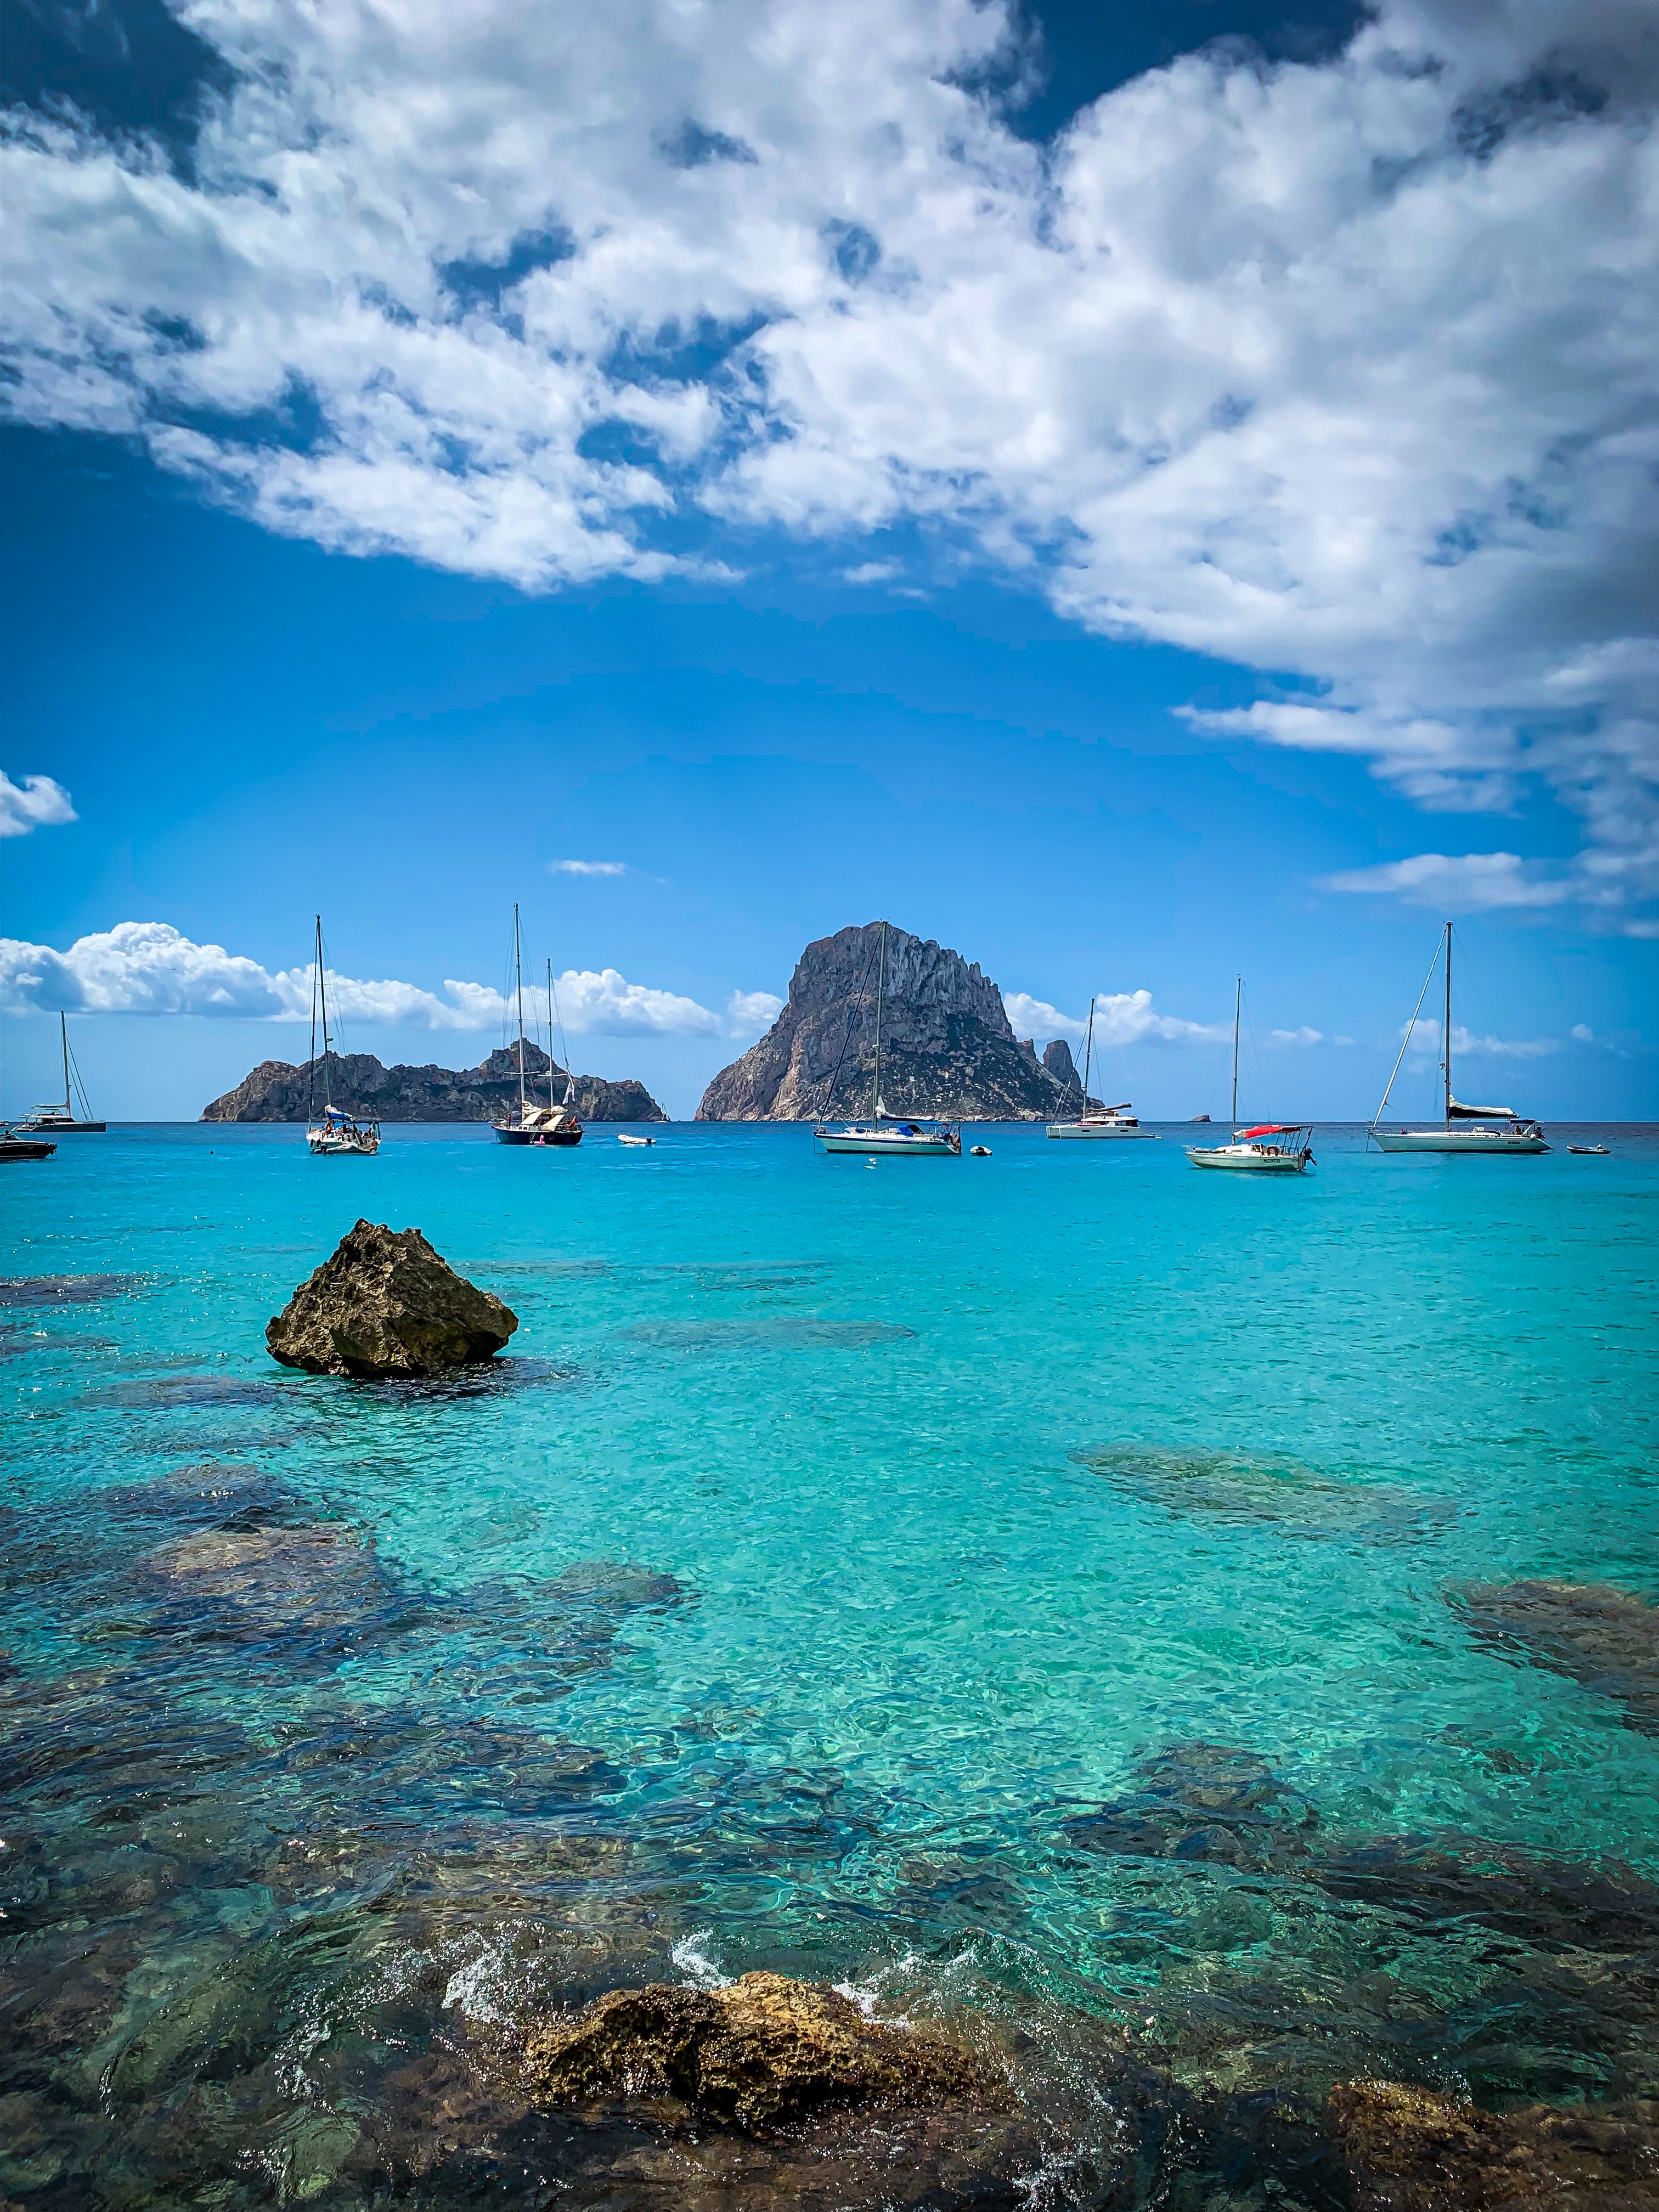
150	968
749	1013
1346	370
1299	1039
1464	882
1424	1036
40	802
587	868
1120	1017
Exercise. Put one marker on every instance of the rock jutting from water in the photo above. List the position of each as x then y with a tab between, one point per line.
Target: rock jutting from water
1410	2150
275	1091
947	1046
1601	1637
385	1305
763	2052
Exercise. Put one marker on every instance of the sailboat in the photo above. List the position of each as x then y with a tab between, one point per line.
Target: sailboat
337	1133
59	1119
530	1124
1271	1147
1465	1128
882	1133
1099	1120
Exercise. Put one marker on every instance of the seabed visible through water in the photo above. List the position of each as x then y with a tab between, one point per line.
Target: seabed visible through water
1054	1596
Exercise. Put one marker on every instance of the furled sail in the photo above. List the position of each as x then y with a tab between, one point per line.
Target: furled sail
1458	1112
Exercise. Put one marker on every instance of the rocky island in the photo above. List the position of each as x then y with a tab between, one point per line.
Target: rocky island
276	1091
947	1046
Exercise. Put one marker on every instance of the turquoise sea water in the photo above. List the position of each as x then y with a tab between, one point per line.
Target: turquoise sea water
834	1536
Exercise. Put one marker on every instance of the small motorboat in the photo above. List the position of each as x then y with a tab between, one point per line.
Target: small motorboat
1590	1152
15	1147
636	1141
980	1153
1250	1151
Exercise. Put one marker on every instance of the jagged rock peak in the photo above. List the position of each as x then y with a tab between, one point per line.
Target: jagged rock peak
275	1091
947	1046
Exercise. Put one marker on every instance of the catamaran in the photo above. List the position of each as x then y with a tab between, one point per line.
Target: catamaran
1465	1128
882	1133
1099	1120
1255	1151
59	1119
530	1124
337	1133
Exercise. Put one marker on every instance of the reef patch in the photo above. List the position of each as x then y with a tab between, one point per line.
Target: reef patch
763	2052
1601	1637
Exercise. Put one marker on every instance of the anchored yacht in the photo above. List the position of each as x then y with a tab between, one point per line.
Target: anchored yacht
1497	1129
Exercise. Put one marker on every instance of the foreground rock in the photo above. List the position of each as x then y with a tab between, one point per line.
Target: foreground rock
1411	2150
276	1091
1601	1637
765	2051
946	1045
385	1305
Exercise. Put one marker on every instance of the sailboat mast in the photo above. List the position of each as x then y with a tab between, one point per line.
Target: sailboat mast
518	980
881	983
322	990
1088	1050
549	1037
1445	1033
62	1025
311	1065
1238	1002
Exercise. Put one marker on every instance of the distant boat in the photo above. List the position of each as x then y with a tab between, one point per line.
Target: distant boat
1099	1120
883	1133
1590	1150
1250	1151
636	1141
13	1147
538	1125
1465	1128
334	1134
59	1119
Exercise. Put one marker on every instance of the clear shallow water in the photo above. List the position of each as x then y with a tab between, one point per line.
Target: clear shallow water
833	1537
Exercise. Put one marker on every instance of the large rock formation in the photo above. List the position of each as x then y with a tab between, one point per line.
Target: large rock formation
946	1045
385	1305
275	1091
765	2051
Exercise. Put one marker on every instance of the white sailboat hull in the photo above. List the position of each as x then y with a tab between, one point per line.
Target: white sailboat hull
1252	1160
325	1145
1098	1129
919	1144
1458	1141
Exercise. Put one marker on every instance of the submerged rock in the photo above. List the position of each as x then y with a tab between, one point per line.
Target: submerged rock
1232	1488
1210	1801
268	1578
1413	2150
65	1290
1601	1637
765	2051
387	1304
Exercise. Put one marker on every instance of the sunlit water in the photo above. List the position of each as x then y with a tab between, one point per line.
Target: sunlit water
833	1536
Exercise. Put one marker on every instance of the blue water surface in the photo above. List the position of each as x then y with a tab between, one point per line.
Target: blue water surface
863	1525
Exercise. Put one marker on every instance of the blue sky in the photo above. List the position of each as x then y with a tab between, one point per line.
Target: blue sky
710	574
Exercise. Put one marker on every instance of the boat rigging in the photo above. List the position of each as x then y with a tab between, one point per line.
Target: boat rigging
1488	1129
